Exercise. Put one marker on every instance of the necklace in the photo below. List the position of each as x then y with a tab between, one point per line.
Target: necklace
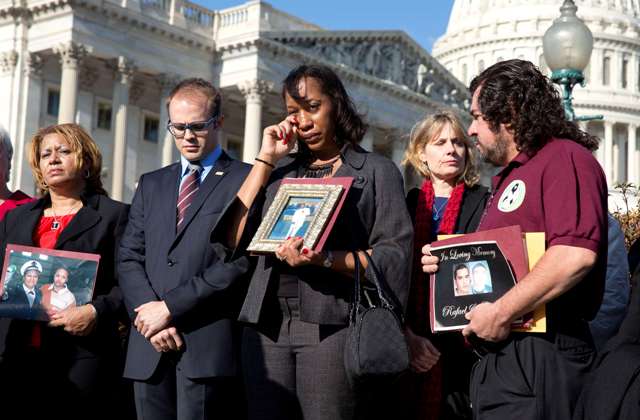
320	171
56	220
437	211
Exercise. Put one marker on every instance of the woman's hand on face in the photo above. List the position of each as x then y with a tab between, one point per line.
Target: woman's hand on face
293	252
422	352
278	140
429	262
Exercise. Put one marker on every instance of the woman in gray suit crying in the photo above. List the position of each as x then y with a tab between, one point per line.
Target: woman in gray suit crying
298	299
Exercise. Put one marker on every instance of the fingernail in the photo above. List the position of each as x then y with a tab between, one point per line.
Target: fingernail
288	237
305	250
280	136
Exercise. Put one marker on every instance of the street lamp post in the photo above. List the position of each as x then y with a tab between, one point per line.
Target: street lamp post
567	47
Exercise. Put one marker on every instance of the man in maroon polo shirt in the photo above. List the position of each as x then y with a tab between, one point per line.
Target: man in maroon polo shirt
550	183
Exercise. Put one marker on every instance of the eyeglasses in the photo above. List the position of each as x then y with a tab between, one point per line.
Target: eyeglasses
199	127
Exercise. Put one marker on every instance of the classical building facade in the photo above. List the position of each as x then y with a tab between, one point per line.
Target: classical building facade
109	65
483	32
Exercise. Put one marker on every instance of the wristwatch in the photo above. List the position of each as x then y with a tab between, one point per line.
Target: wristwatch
328	260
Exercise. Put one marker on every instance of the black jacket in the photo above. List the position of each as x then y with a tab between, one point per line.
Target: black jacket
185	269
96	229
474	200
374	216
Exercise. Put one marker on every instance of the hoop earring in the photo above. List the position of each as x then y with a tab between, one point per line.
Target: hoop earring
87	174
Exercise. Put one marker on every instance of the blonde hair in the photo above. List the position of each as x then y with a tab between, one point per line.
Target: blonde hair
427	130
88	156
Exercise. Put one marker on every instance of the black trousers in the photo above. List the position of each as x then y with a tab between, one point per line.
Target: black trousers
170	395
532	377
300	375
34	382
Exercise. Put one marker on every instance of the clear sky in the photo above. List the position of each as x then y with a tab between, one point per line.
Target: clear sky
423	20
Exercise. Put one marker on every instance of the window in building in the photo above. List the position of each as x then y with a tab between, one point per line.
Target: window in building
151	129
606	68
623	73
53	102
480	66
104	116
499	59
464	73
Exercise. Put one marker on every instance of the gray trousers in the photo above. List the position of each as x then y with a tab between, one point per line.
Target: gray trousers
300	375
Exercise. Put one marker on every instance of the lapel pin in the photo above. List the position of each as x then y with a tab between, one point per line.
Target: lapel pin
219	173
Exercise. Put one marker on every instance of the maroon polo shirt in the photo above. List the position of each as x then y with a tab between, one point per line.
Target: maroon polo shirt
561	191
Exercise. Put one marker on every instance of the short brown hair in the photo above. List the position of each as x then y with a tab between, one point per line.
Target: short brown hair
202	87
88	155
427	130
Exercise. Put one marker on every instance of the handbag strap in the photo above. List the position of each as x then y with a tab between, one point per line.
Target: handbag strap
387	297
356	293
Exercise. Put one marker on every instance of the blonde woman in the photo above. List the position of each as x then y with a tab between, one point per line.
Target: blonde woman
449	201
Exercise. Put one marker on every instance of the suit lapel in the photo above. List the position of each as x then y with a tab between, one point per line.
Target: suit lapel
86	218
167	205
217	173
24	235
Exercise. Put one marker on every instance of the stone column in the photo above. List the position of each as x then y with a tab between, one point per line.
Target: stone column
608	151
616	165
632	162
368	140
29	121
254	92
8	63
166	82
123	78
71	54
595	66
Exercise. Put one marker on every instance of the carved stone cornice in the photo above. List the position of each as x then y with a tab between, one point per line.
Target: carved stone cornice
389	57
8	61
17	13
274	48
33	65
88	76
71	54
137	90
166	82
255	90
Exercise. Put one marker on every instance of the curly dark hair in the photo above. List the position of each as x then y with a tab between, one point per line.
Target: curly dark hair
516	94
349	125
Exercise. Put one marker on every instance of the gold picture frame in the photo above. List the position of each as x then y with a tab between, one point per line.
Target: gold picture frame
301	207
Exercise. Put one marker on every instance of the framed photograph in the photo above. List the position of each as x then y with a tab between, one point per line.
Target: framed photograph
38	282
305	207
468	274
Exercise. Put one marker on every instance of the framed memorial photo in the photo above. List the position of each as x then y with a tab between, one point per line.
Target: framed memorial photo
468	274
38	282
305	207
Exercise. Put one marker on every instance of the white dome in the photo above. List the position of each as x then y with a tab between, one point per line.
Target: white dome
471	13
482	32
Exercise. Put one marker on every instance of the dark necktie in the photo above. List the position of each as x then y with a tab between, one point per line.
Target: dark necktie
188	190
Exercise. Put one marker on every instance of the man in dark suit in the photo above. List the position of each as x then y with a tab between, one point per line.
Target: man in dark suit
178	282
23	301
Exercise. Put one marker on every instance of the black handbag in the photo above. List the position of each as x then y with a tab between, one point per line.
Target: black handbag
375	345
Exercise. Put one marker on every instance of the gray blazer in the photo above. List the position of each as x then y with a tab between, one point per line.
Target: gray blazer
374	216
